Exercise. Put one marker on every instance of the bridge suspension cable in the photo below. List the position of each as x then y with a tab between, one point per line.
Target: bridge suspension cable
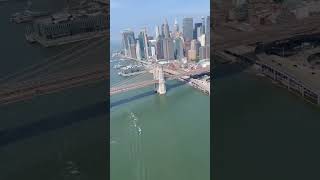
42	62
130	79
55	77
50	61
67	64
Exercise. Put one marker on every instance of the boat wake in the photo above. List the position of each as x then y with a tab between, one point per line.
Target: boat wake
136	147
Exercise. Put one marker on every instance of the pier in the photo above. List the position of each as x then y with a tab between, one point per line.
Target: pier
292	70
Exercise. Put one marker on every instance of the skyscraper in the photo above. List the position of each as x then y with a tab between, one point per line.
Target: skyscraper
187	27
133	51
127	39
195	30
157	29
194	50
168	51
202	39
141	44
208	31
162	30
153	50
204	52
178	48
166	31
175	28
146	45
138	51
159	48
203	22
199	32
195	45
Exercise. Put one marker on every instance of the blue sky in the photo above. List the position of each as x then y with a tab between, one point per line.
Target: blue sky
135	14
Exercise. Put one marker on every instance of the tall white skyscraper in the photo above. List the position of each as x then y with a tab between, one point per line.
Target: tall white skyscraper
175	27
138	52
157	29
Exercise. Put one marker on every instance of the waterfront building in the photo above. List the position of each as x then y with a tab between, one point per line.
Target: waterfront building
187	27
64	24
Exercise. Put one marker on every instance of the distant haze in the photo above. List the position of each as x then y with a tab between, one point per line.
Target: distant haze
149	13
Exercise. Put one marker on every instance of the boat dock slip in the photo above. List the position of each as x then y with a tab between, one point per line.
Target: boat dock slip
201	84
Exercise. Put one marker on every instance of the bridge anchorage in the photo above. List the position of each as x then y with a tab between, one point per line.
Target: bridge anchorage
160	83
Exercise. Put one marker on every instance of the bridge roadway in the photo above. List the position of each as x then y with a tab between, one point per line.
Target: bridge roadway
125	88
29	89
133	86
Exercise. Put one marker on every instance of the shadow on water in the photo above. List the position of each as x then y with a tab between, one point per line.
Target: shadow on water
225	70
11	135
145	94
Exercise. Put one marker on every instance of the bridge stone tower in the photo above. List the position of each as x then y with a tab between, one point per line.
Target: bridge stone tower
158	74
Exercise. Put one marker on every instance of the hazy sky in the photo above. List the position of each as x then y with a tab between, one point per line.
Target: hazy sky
135	14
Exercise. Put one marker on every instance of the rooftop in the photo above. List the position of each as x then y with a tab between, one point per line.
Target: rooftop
296	66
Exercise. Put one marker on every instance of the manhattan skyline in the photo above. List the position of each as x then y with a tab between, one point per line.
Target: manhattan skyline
187	42
124	15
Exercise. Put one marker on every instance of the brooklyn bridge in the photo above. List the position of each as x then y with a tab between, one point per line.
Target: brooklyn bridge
67	70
